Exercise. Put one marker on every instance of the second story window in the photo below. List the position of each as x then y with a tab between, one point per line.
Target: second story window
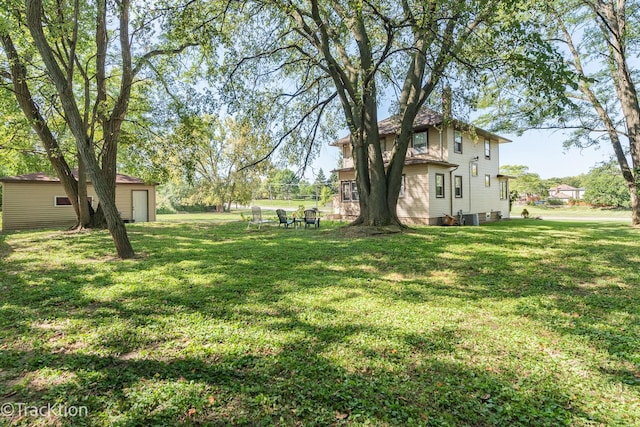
487	149
457	141
420	142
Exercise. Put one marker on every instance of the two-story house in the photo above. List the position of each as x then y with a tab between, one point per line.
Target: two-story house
448	169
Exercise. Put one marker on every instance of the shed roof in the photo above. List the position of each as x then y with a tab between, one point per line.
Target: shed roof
43	177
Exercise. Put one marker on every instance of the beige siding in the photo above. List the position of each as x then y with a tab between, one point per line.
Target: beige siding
124	200
31	205
420	205
477	197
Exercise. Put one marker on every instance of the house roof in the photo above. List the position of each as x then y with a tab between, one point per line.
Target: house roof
424	119
43	177
565	187
415	161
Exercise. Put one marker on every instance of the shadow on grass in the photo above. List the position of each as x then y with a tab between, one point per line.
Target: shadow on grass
257	320
5	249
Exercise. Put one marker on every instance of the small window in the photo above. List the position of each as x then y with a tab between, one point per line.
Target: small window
64	201
403	185
487	180
487	149
458	185
439	185
346	151
474	169
420	143
457	141
354	191
504	190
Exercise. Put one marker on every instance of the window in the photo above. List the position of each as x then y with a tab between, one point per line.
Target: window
504	190
59	201
439	185
474	169
420	142
403	185
346	191
354	191
457	141
487	149
487	180
457	180
349	191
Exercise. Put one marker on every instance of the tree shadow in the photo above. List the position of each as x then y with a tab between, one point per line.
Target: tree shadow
138	367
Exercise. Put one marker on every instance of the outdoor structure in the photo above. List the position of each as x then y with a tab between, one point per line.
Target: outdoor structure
38	201
566	192
447	169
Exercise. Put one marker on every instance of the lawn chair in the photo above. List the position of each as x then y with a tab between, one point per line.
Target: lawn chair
282	217
311	218
256	217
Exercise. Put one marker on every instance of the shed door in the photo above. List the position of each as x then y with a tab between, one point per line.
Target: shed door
140	205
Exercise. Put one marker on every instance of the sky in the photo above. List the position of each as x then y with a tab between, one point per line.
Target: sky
540	150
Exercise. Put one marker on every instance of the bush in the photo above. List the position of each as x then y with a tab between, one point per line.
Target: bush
555	202
165	210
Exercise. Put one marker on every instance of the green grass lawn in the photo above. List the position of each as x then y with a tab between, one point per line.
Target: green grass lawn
572	212
516	323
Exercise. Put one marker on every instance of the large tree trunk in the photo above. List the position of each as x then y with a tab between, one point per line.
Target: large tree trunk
78	128
612	20
84	219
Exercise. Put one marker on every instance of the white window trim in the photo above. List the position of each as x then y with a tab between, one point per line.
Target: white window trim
55	201
426	142
456	134
403	187
438	196
457	178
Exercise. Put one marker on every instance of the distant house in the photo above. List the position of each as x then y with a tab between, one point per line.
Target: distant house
39	201
565	193
447	169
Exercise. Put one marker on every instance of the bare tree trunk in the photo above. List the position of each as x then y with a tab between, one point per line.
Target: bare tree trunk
635	205
83	199
612	23
78	128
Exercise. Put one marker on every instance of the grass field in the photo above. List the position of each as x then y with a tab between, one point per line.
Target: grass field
572	212
515	323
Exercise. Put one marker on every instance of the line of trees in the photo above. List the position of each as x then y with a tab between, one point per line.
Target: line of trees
604	185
